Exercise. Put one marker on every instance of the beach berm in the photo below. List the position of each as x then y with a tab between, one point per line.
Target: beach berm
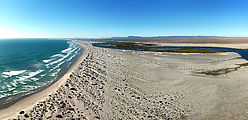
126	84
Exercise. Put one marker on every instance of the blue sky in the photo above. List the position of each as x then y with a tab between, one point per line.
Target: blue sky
110	18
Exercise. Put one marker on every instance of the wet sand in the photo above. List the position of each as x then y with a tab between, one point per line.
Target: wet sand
124	84
28	102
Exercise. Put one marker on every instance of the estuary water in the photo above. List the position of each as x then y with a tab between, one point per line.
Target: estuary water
242	52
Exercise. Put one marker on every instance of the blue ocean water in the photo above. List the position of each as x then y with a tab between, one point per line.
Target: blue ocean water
28	65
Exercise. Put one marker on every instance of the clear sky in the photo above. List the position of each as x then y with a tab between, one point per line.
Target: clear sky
110	18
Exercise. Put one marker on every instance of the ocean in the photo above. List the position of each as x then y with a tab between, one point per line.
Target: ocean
29	65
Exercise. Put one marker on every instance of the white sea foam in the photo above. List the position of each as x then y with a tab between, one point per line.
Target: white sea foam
13	83
13	73
43	75
5	76
29	87
78	50
12	88
65	50
69	48
71	57
35	79
8	86
55	73
57	66
57	55
31	74
4	95
46	61
61	59
72	48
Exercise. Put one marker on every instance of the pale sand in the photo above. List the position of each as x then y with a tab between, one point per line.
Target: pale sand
28	102
236	45
125	84
184	94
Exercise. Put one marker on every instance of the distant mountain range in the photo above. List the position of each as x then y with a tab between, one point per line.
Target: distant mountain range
133	37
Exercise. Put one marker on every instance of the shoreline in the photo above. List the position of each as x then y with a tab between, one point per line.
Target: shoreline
122	84
230	45
29	101
6	105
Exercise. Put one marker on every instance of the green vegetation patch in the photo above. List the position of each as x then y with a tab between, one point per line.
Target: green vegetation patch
219	71
242	65
138	46
223	70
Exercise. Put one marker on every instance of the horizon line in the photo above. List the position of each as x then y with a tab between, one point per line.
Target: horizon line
131	36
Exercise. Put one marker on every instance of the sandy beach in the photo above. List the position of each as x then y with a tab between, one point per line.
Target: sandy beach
124	84
28	102
237	46
123	60
230	42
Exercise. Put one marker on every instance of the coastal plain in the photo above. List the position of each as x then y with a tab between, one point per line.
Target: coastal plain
125	84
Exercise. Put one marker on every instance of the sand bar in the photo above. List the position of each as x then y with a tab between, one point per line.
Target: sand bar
126	84
237	46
